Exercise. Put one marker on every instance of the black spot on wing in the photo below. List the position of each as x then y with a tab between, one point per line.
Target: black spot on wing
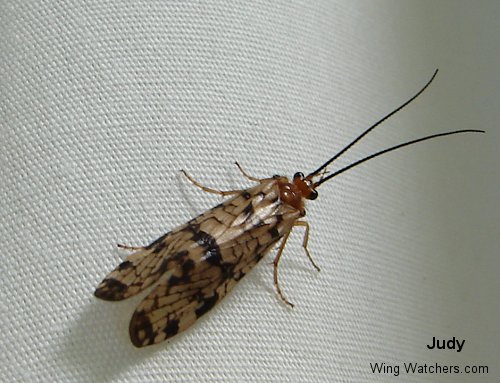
110	290
207	242
274	232
213	257
246	194
158	247
204	239
169	262
176	281
188	266
206	304
171	328
165	264
141	330
248	210
257	224
125	265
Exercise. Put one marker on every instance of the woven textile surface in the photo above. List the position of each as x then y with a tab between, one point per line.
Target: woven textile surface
102	103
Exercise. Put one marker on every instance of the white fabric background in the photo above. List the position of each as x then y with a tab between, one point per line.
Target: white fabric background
103	102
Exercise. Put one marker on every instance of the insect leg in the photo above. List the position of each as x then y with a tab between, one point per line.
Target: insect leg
275	273
127	247
210	190
305	240
246	174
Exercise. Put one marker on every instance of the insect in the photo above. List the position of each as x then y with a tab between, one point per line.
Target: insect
199	262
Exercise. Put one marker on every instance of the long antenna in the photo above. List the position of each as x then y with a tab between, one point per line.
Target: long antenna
316	184
371	128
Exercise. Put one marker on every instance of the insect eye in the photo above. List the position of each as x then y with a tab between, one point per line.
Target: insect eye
298	175
313	195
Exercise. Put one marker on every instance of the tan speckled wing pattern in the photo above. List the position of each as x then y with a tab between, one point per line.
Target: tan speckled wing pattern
201	261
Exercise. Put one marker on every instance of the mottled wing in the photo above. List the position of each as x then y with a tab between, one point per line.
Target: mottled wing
220	247
142	268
